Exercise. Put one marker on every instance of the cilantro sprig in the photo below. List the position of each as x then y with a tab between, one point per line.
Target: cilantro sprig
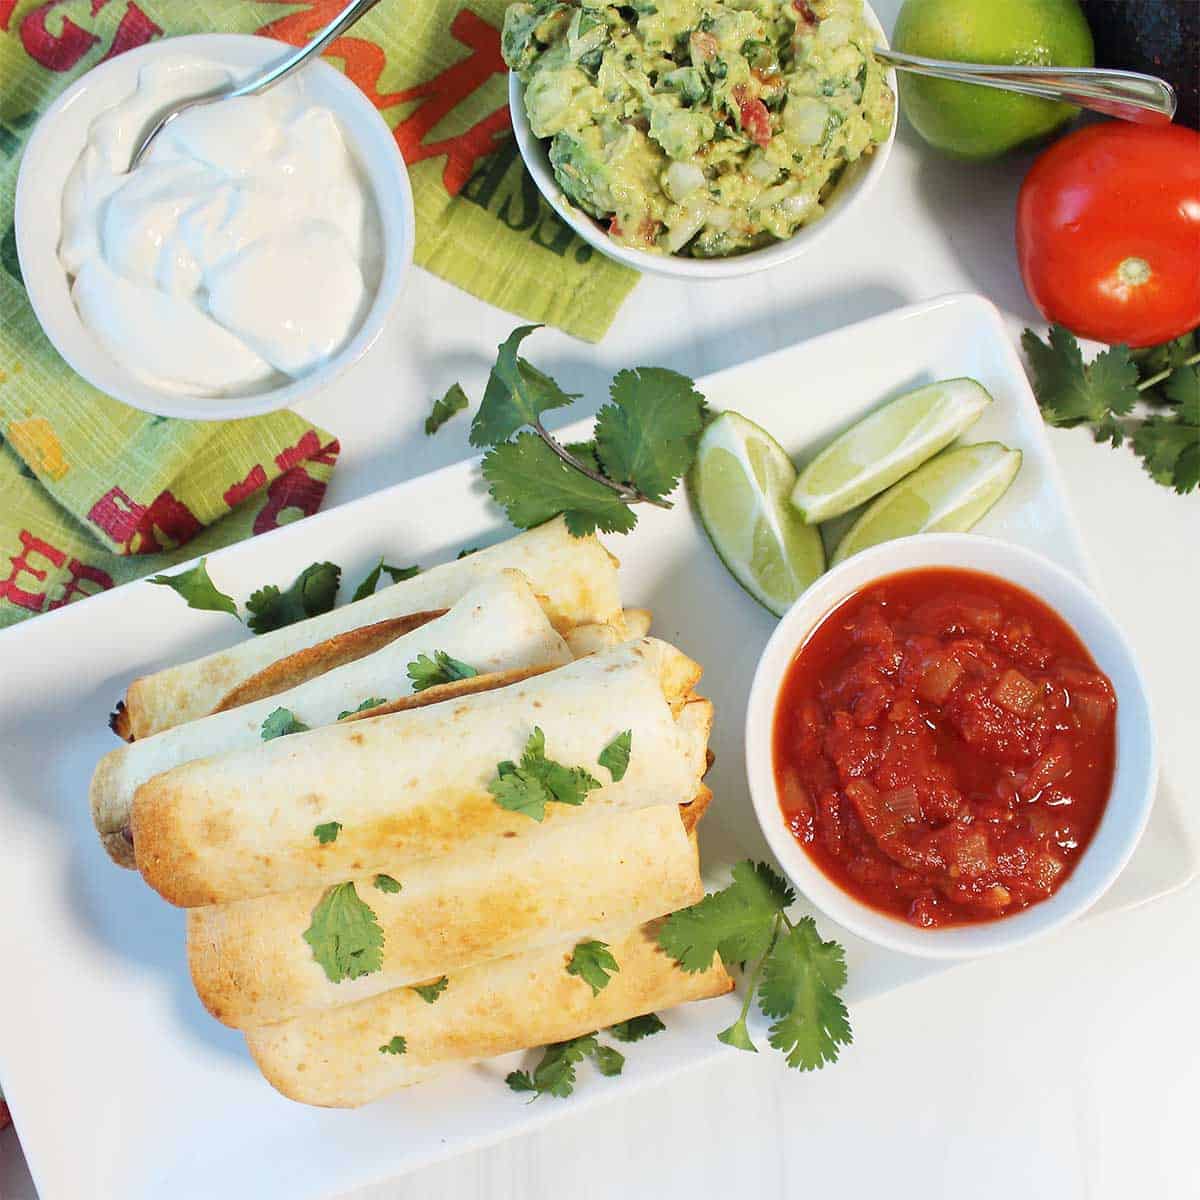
593	962
555	1074
281	722
328	832
643	444
311	593
345	936
614	758
536	781
796	975
370	581
445	407
198	590
637	1028
429	992
425	672
369	703
1105	393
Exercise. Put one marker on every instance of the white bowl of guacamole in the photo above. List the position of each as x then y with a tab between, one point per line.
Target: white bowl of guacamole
702	138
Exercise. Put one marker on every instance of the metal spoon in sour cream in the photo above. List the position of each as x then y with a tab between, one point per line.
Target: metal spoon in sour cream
241	252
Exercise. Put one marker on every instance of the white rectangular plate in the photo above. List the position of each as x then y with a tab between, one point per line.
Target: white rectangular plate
120	1083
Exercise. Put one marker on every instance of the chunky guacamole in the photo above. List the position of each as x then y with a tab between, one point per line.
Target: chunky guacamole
699	127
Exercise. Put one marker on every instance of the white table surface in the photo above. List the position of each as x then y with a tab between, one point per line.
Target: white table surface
1068	1069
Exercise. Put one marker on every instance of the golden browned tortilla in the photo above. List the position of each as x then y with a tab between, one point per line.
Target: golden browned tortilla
333	1058
414	785
498	628
576	576
251	965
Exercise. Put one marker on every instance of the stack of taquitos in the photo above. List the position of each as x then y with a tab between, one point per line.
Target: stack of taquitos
223	823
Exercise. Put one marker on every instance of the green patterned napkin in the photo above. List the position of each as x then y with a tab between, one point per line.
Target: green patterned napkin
93	493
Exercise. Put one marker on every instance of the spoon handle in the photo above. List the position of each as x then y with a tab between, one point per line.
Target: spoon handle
1143	99
311	49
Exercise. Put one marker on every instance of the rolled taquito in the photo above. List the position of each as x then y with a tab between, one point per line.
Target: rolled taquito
335	1059
634	623
576	577
498	626
251	964
358	797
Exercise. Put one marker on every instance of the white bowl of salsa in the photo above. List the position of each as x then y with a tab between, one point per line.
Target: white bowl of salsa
949	745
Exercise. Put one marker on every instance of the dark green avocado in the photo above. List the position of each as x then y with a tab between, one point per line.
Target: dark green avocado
1158	37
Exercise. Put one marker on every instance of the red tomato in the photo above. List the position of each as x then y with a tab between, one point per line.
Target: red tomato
1108	232
755	118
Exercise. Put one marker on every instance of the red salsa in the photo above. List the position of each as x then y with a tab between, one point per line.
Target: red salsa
944	747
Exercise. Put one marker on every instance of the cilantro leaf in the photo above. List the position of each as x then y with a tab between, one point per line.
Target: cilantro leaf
800	984
517	394
1183	388
1169	447
370	702
637	1028
197	589
371	580
327	832
1154	361
429	992
344	935
646	438
615	756
532	484
466	551
396	1046
737	923
426	672
385	883
279	723
1107	389
454	401
593	962
311	593
519	793
1070	393
609	1060
528	787
555	1074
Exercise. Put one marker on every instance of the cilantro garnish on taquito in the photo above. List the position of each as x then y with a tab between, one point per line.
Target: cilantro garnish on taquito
334	1058
414	785
254	962
498	626
576	577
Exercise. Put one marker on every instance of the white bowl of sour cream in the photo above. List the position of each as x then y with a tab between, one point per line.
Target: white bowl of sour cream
253	255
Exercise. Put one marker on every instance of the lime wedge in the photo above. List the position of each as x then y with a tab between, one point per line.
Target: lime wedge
886	446
949	494
740	482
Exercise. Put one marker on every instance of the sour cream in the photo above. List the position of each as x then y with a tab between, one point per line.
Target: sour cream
243	250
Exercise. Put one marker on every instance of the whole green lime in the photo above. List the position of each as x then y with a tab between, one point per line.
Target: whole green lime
969	121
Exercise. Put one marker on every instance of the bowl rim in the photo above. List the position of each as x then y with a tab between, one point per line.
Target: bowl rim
48	158
859	181
1135	776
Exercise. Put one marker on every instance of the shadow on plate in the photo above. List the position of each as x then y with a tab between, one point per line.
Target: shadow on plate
975	206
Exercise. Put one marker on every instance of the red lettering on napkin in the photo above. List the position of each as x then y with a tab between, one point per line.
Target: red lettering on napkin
437	97
20	564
